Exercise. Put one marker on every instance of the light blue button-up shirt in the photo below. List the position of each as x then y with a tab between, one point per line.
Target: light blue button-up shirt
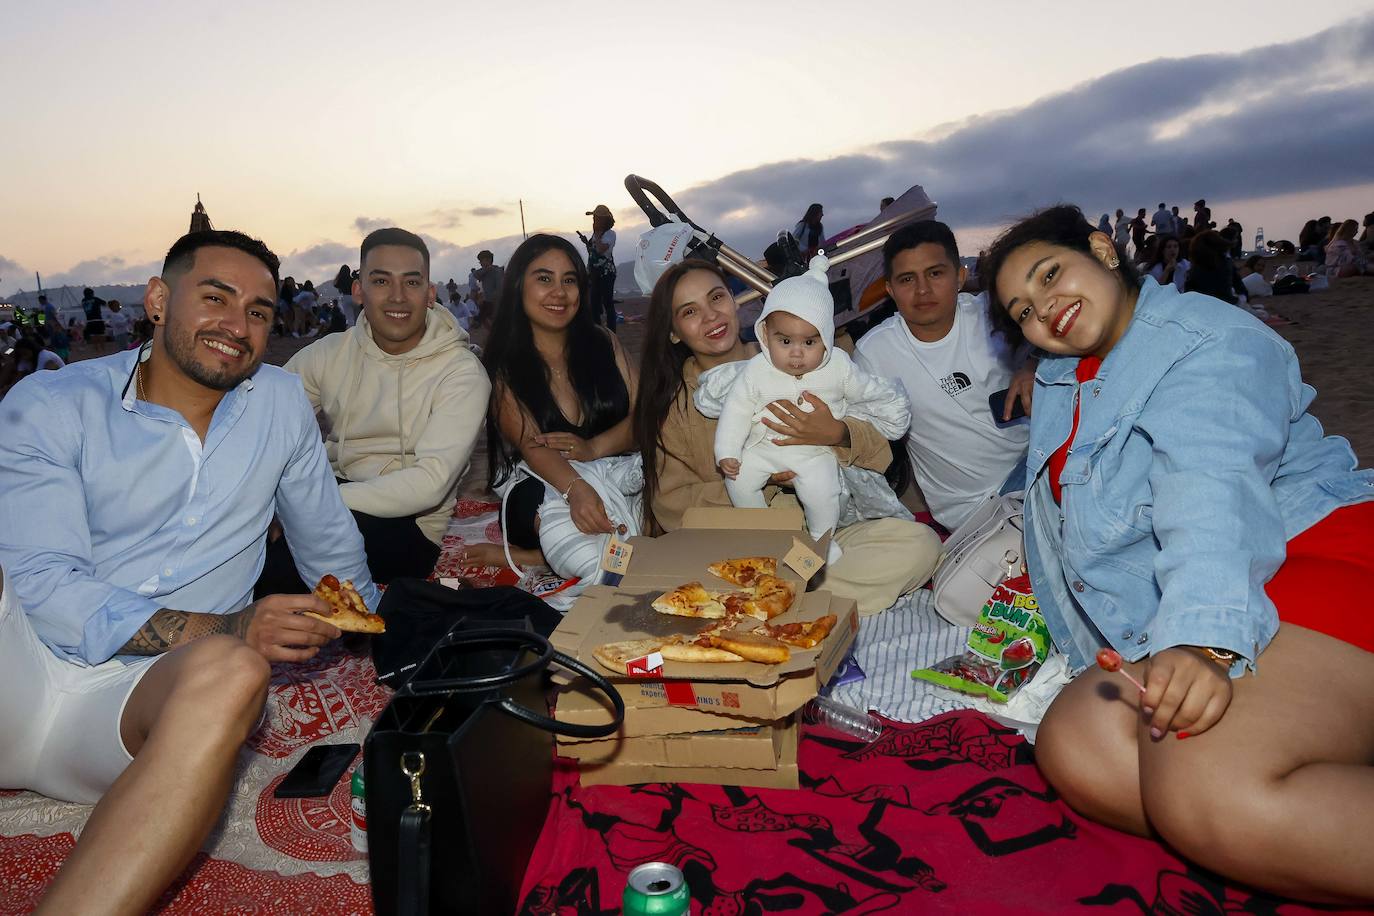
112	508
1194	464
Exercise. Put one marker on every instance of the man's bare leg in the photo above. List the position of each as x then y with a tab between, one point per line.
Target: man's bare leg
184	724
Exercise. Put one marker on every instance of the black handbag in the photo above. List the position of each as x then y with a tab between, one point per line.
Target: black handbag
459	771
419	613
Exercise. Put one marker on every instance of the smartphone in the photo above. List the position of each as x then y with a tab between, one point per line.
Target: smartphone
315	773
998	402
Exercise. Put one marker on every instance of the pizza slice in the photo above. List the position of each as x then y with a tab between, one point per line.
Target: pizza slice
772	596
348	612
805	635
751	646
616	656
690	600
744	571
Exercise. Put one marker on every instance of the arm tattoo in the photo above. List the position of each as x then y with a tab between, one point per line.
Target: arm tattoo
167	629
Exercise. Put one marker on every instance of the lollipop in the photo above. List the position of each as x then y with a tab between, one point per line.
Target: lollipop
1110	660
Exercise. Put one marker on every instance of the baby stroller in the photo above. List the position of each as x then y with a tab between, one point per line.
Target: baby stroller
856	256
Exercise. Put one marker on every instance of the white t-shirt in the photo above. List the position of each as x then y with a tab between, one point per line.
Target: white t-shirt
1180	277
958	454
117	323
607	238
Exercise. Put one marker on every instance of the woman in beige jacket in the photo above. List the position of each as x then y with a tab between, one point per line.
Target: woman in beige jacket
692	326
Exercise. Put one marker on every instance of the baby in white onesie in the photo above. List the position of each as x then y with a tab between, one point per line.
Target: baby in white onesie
797	332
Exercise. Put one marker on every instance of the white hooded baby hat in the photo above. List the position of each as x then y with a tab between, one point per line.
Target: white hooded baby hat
808	297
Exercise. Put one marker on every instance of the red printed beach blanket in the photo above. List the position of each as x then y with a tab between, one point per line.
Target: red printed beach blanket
949	815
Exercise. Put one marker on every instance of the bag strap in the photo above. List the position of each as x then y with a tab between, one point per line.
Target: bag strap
412	863
413	846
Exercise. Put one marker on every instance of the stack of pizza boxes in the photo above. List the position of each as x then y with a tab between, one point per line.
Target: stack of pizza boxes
731	723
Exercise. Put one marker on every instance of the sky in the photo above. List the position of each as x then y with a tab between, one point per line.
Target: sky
308	123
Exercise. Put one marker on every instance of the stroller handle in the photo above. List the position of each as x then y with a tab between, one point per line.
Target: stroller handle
637	187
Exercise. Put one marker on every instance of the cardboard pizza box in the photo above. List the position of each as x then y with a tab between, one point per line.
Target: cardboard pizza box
708	535
592	708
783	775
755	747
605	614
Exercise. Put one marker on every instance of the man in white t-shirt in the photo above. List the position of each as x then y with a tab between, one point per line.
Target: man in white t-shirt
1163	221
941	347
118	326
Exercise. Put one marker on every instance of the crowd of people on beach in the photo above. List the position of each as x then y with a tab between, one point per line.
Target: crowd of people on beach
1182	506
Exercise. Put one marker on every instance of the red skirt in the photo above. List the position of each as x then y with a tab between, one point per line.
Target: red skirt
1325	582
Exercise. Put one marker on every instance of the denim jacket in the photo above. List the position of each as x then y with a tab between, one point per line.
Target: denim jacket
1195	462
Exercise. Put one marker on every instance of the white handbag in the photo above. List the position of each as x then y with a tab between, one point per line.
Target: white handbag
978	556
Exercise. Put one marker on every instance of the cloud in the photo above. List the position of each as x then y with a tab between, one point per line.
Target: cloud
486	211
366	224
110	270
321	260
445	218
1285	118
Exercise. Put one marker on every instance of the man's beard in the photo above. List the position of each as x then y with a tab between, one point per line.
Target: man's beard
181	347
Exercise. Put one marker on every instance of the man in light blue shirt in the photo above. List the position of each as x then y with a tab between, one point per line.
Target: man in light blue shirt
137	493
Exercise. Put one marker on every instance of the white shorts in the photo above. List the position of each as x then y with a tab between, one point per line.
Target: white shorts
60	721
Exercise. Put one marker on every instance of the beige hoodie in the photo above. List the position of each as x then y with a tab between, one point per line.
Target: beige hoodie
400	428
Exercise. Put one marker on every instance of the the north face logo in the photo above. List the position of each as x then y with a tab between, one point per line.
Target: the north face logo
954	383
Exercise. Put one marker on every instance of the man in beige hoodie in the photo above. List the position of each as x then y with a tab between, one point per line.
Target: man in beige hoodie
401	400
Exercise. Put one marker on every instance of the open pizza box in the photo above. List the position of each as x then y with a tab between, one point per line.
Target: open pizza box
617	613
606	614
585	708
753	747
774	745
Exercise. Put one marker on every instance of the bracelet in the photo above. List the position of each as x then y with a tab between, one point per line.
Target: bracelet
565	493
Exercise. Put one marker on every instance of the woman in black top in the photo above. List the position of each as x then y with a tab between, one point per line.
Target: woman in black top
562	391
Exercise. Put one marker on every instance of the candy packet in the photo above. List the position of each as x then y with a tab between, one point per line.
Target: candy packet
1005	648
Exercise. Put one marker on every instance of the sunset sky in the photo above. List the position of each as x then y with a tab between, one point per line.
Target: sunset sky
307	123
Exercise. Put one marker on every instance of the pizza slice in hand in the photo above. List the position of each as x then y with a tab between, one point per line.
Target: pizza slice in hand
348	612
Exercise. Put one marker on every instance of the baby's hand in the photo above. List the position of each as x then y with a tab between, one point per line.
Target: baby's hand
729	467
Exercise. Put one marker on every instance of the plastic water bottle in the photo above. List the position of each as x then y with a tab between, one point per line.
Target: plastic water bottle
844	719
1259	240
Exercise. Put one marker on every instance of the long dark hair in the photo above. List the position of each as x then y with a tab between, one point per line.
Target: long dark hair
515	365
660	377
1063	225
1163	240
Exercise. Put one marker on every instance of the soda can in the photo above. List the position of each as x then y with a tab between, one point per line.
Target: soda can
357	826
656	889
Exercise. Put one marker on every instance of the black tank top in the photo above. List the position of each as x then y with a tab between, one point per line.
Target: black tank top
621	399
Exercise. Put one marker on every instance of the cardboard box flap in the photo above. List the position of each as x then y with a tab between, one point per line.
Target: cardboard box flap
607	614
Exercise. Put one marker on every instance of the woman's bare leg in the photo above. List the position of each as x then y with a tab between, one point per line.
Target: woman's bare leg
1277	795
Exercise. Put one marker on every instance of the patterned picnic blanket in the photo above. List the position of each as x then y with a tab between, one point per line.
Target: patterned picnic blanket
947	815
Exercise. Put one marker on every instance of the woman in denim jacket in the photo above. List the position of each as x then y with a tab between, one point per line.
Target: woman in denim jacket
1186	510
